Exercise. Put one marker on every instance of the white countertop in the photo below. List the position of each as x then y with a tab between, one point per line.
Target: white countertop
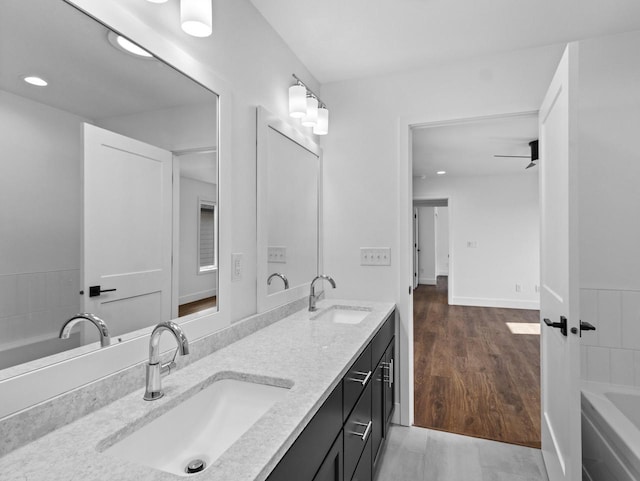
310	355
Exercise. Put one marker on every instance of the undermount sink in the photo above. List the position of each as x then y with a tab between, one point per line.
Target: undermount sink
200	428
343	314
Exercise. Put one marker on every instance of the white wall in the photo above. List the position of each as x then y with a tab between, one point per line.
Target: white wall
427	245
442	240
179	128
501	215
609	169
361	150
39	220
193	285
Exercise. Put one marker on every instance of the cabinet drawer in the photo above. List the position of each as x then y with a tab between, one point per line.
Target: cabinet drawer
363	470
355	381
357	431
383	338
306	455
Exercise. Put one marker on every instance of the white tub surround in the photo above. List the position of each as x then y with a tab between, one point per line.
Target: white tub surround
610	432
309	356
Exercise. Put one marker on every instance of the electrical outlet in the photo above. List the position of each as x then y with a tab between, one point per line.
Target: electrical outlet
375	256
237	266
277	254
518	288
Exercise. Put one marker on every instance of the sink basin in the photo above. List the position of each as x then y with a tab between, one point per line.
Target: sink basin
343	314
200	428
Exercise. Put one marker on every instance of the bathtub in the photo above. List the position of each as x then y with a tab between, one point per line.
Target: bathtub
610	432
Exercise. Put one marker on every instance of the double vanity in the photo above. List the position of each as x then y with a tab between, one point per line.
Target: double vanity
308	397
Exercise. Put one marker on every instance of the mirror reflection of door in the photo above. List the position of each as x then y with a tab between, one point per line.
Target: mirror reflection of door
126	231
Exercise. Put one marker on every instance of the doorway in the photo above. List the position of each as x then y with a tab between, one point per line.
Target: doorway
475	343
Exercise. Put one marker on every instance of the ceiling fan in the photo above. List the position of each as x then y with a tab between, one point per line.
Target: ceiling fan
533	145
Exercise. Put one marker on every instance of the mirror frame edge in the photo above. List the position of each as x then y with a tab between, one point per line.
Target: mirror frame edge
49	381
264	121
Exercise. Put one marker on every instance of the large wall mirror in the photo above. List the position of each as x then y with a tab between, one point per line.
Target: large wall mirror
108	186
289	165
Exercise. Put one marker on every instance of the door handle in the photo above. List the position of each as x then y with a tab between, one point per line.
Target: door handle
562	325
95	291
584	326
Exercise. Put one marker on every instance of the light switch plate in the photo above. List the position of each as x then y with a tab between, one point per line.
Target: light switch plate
375	256
237	266
277	254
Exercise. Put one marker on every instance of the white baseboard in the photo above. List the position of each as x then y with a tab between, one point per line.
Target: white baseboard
196	296
427	281
487	302
443	273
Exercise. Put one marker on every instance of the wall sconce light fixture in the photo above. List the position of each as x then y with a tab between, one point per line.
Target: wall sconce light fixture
304	104
196	16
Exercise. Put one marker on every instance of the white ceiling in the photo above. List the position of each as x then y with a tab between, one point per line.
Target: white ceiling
465	149
343	39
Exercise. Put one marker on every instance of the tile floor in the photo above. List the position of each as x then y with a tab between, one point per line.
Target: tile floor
418	454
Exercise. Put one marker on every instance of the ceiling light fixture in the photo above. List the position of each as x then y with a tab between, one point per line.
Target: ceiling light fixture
196	17
306	105
36	81
125	45
441	172
157	1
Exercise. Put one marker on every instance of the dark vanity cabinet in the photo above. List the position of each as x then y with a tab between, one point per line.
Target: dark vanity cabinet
342	442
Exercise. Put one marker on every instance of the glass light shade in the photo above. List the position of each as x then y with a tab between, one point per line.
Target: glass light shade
157	1
322	126
297	101
311	119
196	17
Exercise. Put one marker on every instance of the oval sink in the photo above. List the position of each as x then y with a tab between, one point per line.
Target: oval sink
343	314
199	429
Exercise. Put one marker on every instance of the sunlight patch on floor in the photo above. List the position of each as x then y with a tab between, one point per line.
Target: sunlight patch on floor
524	327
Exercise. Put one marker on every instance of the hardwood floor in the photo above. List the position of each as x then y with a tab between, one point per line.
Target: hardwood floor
196	306
472	375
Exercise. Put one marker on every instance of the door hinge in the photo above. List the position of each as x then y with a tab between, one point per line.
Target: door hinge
409	290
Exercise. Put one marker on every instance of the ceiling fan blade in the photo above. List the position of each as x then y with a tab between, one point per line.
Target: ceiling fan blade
515	156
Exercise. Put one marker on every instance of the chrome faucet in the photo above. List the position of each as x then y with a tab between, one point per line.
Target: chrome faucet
281	276
155	370
312	294
103	330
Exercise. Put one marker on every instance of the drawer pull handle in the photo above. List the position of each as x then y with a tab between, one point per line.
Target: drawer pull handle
388	377
364	435
366	375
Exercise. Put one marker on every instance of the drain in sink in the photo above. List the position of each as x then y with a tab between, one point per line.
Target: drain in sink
195	466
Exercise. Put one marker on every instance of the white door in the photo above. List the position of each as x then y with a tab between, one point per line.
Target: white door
127	230
560	348
416	247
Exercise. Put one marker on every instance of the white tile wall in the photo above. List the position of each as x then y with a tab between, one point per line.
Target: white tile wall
612	352
35	305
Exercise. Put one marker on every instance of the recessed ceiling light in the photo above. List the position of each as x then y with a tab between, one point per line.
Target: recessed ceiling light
127	46
37	81
441	172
